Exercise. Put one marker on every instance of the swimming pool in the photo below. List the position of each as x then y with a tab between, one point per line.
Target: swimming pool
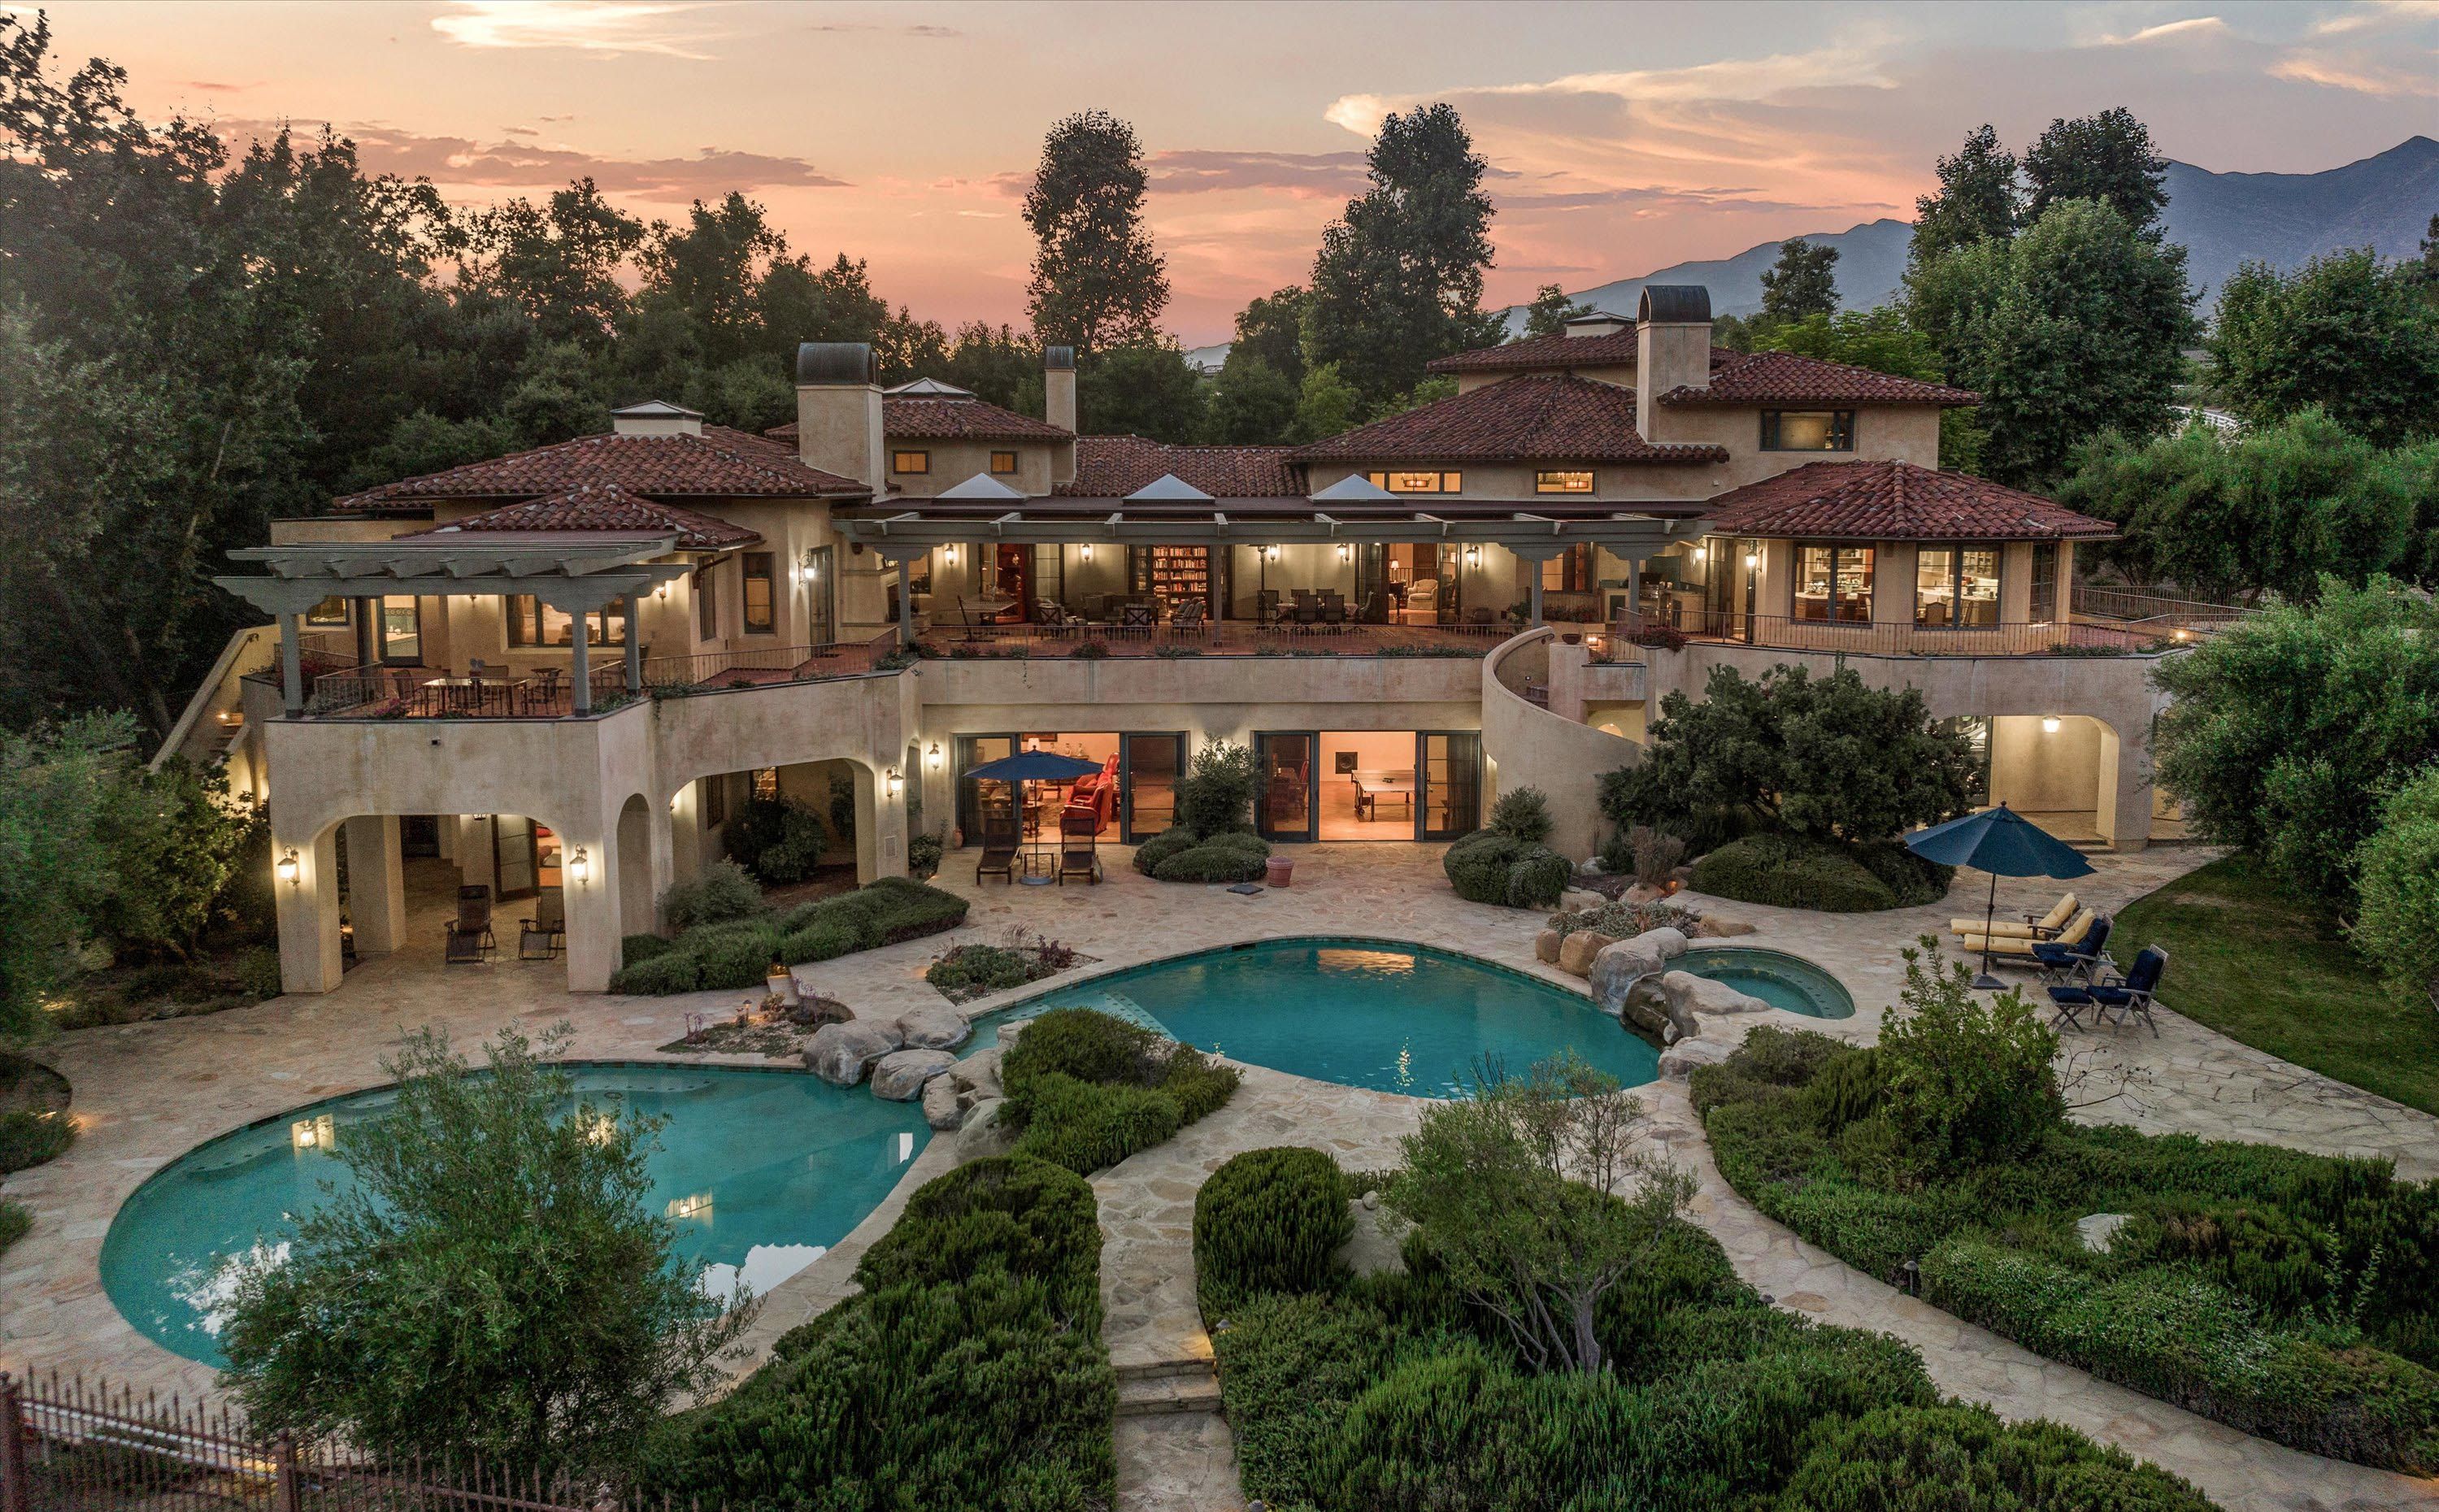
1781	980
762	1169
1379	1014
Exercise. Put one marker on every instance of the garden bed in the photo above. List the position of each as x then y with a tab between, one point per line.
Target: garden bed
2290	1295
970	971
731	936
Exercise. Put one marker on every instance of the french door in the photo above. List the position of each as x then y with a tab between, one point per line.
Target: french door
1149	765
1447	803
1450	765
1286	806
972	751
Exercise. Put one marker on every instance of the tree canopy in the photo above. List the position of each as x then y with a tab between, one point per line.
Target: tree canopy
1096	281
1803	283
1882	340
2355	336
1271	329
2106	157
1976	201
1549	312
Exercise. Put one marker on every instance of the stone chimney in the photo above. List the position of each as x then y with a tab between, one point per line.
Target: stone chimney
838	412
1672	346
656	416
1059	408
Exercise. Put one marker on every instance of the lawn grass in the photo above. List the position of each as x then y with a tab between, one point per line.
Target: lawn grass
2251	959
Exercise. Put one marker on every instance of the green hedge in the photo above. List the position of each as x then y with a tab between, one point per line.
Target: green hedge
1085	1090
1791	872
1964	1459
968	1374
1175	855
2290	1294
1270	1220
732	954
14	1221
28	1138
1489	867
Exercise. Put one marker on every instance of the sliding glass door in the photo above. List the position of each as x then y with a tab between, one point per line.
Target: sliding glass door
1151	764
973	797
1284	807
1451	767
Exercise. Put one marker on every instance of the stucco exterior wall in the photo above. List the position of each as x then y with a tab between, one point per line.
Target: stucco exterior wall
1524	746
1903	432
953	462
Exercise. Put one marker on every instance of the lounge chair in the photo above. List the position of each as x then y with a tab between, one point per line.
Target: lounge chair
2062	963
2018	949
999	849
469	938
1076	846
541	936
2134	997
2040	927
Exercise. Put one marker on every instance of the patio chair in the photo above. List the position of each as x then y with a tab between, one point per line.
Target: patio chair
2134	997
999	847
1188	616
1422	603
2018	949
1265	606
2034	927
544	694
469	938
544	934
1333	608
1051	615
1138	615
1078	845
2063	963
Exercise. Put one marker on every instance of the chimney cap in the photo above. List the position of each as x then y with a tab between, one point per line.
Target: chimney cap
836	361
1059	359
1674	304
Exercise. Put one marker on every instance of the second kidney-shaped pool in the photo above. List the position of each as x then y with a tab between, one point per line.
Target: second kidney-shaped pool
1363	1013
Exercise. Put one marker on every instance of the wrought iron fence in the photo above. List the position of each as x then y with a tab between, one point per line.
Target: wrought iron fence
70	1446
1227	638
1864	637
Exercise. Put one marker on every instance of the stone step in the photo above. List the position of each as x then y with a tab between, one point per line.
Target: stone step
1155	1396
1153	1369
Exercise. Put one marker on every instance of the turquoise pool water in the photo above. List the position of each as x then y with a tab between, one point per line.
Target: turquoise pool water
1363	1013
1781	980
762	1169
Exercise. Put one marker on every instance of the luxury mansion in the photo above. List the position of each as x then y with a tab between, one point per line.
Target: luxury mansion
570	668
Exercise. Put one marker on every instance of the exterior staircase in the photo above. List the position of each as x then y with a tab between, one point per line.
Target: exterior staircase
1151	1389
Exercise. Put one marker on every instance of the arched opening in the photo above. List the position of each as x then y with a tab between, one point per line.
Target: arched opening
2065	772
636	869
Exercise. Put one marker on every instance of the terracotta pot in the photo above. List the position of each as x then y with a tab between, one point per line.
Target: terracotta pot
1570	637
1277	870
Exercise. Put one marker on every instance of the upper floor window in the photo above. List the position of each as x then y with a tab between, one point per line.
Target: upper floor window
531	622
706	605
910	461
761	610
1808	429
399	630
1002	463
1956	587
1570	571
1834	583
1413	482
1567	481
330	611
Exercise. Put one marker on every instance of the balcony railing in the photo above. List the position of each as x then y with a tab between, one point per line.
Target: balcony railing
1855	637
547	693
1227	638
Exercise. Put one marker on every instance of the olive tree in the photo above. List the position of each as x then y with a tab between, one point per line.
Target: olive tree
2398	883
490	1285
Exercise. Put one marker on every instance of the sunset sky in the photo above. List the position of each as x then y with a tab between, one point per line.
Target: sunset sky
1621	138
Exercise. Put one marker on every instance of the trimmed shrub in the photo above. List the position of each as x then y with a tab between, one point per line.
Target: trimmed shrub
1969	1077
1216	793
1088	1127
1173	840
28	1138
1270	1220
1956	1458
1085	1090
1080	1043
256	971
909	909
778	840
1027	1217
1910	878
1228	857
731	956
822	940
2398	883
1488	867
1791	873
659	976
1524	813
14	1221
723	890
634	949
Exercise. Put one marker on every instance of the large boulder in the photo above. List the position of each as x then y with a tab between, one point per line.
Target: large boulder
975	1077
1577	951
1719	926
940	1109
842	1053
941	1028
980	1136
1669	941
1618	967
1678	1061
1690	997
1546	946
899	1075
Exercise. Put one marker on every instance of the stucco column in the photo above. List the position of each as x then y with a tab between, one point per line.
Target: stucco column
1535	623
592	915
477	856
871	812
308	910
906	603
376	884
292	667
2123	816
635	644
579	668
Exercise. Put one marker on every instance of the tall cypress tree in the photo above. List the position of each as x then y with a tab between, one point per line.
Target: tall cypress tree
1804	283
1097	281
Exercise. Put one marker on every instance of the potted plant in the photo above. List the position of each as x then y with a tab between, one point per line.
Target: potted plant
1278	870
1571	636
783	983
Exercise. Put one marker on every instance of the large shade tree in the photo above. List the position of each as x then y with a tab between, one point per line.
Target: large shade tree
1097	281
2349	333
1803	283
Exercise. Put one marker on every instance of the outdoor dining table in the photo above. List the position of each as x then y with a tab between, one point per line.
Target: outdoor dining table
465	693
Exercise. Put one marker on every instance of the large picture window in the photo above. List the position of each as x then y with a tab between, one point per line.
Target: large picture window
1833	584
761	605
1808	429
1956	587
531	622
1409	481
1566	480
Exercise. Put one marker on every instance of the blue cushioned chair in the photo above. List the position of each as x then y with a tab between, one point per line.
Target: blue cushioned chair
2135	996
2062	963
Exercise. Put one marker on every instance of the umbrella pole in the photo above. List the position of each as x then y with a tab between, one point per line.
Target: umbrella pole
1989	916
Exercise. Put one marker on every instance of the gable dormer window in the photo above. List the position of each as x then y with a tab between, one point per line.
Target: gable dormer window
1808	429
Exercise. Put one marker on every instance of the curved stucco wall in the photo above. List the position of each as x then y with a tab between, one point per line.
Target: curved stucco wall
1527	746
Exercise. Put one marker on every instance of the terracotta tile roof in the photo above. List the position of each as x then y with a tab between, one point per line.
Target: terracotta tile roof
1895	501
1537	417
915	417
1614	351
720	463
1784	378
600	507
1115	465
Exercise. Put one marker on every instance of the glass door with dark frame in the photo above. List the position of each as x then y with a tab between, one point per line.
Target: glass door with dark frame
1284	807
972	751
1450	765
820	596
1149	765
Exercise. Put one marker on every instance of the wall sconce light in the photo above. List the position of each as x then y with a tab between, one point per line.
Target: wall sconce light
580	866
808	570
1699	553
287	868
2049	724
661	591
896	783
932	758
1473	556
1087	550
1752	558
949	555
1346	552
1271	552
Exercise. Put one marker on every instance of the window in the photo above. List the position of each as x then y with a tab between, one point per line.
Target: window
1956	587
1002	463
1808	429
401	630
910	461
1563	482
531	622
715	800
761	609
1418	482
330	611
1569	572
1834	583
706	606
766	783
2044	588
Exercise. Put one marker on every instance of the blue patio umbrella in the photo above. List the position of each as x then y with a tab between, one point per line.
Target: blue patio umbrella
1033	766
2004	843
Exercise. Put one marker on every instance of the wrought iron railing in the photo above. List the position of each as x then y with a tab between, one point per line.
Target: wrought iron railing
1226	639
1862	637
